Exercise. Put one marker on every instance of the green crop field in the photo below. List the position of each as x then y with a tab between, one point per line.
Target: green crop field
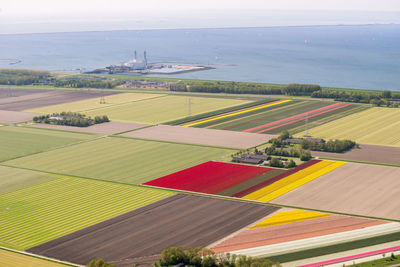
122	159
164	109
376	126
20	141
42	212
14	179
94	103
13	259
284	115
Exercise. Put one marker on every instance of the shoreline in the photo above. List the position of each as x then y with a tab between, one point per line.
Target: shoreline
212	28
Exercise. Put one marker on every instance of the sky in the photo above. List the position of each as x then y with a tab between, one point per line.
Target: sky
70	6
34	16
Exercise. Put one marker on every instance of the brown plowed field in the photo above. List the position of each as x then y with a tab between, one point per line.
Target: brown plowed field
111	127
201	136
7	116
45	98
180	220
354	188
293	231
371	153
7	96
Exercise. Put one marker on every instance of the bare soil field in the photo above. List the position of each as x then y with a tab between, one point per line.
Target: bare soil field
201	136
10	117
354	188
371	153
180	220
111	127
46	98
293	231
21	95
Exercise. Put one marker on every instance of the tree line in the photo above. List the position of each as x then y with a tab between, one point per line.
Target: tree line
245	88
70	119
85	83
37	77
199	257
385	98
336	146
22	77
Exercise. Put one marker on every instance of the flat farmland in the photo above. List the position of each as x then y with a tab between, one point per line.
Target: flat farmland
354	188
122	159
181	220
277	116
375	126
210	177
9	117
296	230
5	93
370	153
13	259
42	212
94	103
164	109
46	98
201	136
296	179
112	127
14	179
21	141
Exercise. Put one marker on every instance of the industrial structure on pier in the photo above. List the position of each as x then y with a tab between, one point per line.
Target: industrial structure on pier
136	64
144	67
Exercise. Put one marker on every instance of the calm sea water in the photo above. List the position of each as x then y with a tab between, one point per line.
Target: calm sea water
341	56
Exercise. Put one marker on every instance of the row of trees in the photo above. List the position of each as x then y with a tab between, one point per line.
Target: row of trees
275	162
385	98
303	155
70	119
29	77
244	88
85	83
337	146
201	257
22	77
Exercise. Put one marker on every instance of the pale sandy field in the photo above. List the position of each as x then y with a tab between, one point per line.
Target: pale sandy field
201	136
111	127
354	188
9	117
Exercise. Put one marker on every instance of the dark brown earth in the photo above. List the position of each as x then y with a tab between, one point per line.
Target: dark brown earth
44	98
370	153
180	220
5	93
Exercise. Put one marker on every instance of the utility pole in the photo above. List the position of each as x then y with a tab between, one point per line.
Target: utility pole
102	98
9	91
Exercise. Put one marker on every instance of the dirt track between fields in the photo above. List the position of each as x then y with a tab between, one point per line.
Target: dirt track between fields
111	127
10	117
293	231
201	136
180	220
30	100
371	153
362	189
